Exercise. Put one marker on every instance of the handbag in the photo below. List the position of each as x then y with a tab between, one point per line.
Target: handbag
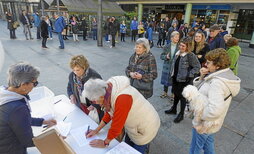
16	24
141	85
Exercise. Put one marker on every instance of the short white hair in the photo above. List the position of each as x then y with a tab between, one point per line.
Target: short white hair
145	43
174	33
94	89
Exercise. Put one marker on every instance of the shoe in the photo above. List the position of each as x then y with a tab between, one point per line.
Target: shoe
171	111
164	95
110	46
66	38
61	47
31	38
84	39
45	47
178	118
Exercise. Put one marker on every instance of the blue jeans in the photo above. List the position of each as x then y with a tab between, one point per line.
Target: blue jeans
140	148
94	34
202	142
50	31
60	37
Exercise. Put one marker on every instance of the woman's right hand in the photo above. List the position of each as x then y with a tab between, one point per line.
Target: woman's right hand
168	57
91	133
73	99
203	71
133	75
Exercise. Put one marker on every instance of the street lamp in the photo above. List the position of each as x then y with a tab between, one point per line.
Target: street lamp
99	25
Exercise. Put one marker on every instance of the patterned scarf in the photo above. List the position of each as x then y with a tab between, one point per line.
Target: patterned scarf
78	83
107	98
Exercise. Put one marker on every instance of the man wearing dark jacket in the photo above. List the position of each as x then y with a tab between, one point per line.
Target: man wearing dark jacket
26	22
113	27
215	40
84	28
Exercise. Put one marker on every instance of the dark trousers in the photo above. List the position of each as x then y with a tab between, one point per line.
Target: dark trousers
38	32
177	88
113	40
165	88
123	37
159	42
44	41
140	35
133	35
12	33
84	34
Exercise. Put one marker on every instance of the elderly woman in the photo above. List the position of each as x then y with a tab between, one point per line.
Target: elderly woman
168	55
234	51
142	69
15	118
81	73
185	66
127	109
210	99
199	46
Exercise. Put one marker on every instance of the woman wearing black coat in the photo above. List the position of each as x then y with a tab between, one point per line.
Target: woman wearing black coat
44	32
10	22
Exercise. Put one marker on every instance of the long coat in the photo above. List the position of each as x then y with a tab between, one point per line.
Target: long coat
44	29
165	76
147	64
234	54
10	22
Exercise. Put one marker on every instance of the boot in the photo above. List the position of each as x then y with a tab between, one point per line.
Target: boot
172	110
178	118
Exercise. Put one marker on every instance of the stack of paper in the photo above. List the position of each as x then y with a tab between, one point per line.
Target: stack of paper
63	128
79	134
123	148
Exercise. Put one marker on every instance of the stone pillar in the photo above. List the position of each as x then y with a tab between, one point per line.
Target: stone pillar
140	11
187	13
252	41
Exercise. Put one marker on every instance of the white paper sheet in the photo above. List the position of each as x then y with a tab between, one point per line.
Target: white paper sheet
123	148
63	108
63	128
79	134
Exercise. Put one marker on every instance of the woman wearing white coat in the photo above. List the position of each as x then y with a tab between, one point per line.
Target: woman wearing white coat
210	99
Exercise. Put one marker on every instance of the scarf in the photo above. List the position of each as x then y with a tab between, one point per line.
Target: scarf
107	98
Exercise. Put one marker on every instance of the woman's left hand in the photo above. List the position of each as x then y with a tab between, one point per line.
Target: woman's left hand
97	143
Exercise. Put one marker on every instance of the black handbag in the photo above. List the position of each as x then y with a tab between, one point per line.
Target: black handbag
141	85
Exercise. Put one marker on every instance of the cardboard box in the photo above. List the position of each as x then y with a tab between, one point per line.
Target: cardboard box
51	143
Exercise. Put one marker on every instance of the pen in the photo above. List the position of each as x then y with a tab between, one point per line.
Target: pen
45	129
45	126
57	101
64	118
87	130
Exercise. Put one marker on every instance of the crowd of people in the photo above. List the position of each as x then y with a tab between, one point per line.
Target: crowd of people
199	66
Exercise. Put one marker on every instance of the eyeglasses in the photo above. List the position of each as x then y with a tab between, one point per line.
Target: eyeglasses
35	83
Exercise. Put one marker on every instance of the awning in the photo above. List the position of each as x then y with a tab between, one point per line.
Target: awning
90	6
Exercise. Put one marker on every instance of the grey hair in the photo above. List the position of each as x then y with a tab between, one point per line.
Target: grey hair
145	43
43	18
94	89
174	33
21	73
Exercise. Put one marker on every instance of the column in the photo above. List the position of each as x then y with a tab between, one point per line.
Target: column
140	11
252	41
187	13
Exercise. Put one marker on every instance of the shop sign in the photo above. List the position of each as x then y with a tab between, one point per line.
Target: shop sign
174	7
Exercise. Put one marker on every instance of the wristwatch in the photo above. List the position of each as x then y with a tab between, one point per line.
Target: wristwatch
106	144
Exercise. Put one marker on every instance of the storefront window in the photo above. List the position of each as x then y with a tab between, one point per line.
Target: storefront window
223	17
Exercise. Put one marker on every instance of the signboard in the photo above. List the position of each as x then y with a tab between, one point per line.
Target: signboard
174	7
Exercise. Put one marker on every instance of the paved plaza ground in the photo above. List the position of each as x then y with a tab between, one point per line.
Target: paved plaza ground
236	135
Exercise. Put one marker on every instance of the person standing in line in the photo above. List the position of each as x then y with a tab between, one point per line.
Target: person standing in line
234	51
59	27
66	28
161	31
10	22
50	27
215	40
150	35
223	30
113	26
123	31
184	67
210	98
142	68
44	31
141	29
84	28
94	28
25	20
134	29
170	30
75	30
167	56
37	23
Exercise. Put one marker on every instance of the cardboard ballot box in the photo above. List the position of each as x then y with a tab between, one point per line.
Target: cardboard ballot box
51	142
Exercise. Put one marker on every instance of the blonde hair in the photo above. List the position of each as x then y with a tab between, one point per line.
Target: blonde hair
200	45
80	61
227	37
